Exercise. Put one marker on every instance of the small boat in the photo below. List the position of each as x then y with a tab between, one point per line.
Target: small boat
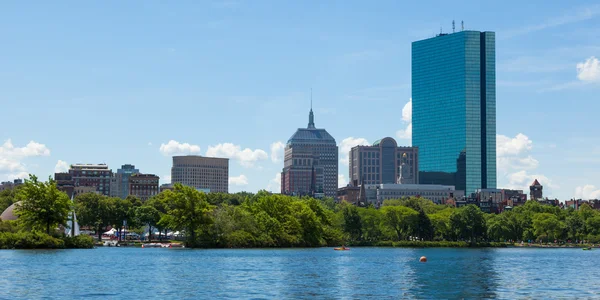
151	245
341	248
587	248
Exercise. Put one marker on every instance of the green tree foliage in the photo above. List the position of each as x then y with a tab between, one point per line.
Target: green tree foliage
400	221
43	206
352	222
147	215
7	197
96	211
468	223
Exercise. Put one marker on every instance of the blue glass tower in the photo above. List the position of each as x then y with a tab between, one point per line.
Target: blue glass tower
454	109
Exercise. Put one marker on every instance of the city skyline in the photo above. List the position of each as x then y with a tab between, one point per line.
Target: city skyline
220	79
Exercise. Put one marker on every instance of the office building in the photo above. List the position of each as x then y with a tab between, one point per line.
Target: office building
384	162
7	185
311	163
119	183
377	193
206	173
91	175
454	109
143	186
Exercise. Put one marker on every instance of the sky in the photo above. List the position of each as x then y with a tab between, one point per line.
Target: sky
136	82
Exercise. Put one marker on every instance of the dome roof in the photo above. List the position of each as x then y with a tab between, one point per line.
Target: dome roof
9	213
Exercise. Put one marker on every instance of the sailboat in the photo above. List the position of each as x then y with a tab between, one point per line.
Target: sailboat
72	227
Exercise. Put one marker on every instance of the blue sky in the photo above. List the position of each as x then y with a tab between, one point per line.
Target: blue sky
112	81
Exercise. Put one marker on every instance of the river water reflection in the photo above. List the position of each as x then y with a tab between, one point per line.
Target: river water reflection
377	273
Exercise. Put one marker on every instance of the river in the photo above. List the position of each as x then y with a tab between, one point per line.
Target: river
377	273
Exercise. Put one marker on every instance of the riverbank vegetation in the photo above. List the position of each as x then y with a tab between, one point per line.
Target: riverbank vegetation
272	220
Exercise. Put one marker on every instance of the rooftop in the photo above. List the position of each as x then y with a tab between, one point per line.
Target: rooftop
311	134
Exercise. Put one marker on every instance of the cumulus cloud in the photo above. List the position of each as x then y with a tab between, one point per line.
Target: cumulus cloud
589	70
406	134
277	151
342	181
239	180
166	178
516	165
586	192
275	184
346	145
176	148
522	180
512	146
61	166
11	158
247	157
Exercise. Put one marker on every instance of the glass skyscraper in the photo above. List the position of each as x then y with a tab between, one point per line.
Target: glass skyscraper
454	109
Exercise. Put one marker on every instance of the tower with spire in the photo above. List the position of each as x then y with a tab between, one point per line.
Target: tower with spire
311	162
535	190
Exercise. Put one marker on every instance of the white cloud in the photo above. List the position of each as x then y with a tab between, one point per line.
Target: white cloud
247	157
176	148
277	151
11	158
61	166
239	180
346	145
587	191
406	134
342	181
514	162
512	146
522	180
275	183
166	178
589	70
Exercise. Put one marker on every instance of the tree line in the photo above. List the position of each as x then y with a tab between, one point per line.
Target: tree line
272	220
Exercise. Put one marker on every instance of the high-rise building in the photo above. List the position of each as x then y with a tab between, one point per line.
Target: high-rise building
206	173
384	162
311	162
91	175
454	109
143	186
119	183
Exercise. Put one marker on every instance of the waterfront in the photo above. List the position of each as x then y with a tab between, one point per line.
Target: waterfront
377	273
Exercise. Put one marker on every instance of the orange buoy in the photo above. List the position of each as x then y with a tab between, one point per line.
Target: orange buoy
423	259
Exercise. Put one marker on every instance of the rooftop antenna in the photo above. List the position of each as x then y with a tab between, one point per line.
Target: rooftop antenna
310	98
452	26
462	25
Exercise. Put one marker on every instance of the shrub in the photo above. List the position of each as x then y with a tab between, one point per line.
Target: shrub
29	240
79	242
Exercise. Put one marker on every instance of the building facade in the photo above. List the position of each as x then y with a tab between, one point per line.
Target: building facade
119	183
7	185
91	175
143	186
201	172
311	163
377	193
454	109
383	162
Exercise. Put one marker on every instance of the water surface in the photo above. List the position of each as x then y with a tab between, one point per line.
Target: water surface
377	273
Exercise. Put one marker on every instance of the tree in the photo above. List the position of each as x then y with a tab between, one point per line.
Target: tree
352	222
188	210
547	225
468	223
43	206
8	197
424	229
94	210
149	216
400	219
